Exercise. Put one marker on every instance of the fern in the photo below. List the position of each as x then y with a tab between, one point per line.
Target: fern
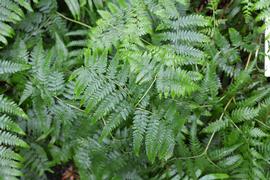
135	24
143	89
11	162
11	12
9	67
141	118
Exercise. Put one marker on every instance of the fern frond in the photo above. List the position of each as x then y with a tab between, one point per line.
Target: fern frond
223	152
151	138
27	92
116	118
257	133
242	114
8	106
7	124
7	138
140	121
7	67
36	161
217	125
235	37
74	7
126	21
261	4
11	12
56	82
11	162
166	142
190	21
230	161
167	82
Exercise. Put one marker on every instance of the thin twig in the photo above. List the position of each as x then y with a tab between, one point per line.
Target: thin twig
211	138
262	123
144	110
248	60
146	92
214	164
70	105
72	20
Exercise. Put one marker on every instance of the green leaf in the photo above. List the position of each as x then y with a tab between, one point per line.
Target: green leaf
235	37
215	176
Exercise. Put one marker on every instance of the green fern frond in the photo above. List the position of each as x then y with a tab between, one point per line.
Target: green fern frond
140	121
261	4
217	125
7	67
7	138
151	138
74	7
223	152
235	37
10	12
11	162
56	82
38	62
230	161
8	106
185	35
27	92
7	124
116	118
166	142
190	21
256	96
36	161
168	79
242	114
126	21
257	133
239	83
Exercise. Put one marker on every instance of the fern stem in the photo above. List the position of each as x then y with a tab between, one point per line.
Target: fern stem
72	20
248	60
70	105
262	123
214	164
204	153
144	110
146	92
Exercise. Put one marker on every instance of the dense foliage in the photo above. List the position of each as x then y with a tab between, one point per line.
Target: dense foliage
134	89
